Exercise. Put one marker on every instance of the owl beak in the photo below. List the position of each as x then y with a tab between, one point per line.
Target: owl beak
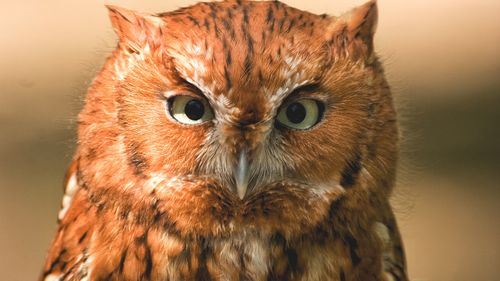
241	174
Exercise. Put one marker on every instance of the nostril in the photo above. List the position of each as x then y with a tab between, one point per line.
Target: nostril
248	115
246	122
249	118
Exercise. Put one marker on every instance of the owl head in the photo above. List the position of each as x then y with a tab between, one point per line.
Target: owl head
238	115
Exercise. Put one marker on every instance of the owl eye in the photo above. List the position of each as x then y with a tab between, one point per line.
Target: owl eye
189	110
300	114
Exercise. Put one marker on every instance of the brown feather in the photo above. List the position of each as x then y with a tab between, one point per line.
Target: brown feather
156	199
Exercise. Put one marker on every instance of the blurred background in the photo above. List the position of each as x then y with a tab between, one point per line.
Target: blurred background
442	60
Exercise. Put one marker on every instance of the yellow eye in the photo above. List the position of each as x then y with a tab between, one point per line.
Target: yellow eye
189	110
300	114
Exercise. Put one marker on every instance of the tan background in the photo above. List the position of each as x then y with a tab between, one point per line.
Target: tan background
443	60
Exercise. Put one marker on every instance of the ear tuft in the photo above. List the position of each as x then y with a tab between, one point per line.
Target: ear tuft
133	27
355	30
363	23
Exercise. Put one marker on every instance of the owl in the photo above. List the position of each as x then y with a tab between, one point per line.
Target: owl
234	140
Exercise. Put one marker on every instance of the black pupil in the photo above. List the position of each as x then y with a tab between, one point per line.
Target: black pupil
296	112
194	109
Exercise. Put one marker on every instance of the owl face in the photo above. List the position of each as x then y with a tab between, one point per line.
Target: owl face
240	110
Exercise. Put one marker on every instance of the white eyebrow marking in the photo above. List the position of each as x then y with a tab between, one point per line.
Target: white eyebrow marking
286	89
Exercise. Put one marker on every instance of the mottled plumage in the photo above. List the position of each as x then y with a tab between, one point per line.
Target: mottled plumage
234	140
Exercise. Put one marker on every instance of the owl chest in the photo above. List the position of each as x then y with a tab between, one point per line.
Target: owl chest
250	258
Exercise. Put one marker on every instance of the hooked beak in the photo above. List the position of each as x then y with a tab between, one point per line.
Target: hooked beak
241	174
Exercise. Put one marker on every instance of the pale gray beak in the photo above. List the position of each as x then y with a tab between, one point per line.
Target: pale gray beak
241	174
